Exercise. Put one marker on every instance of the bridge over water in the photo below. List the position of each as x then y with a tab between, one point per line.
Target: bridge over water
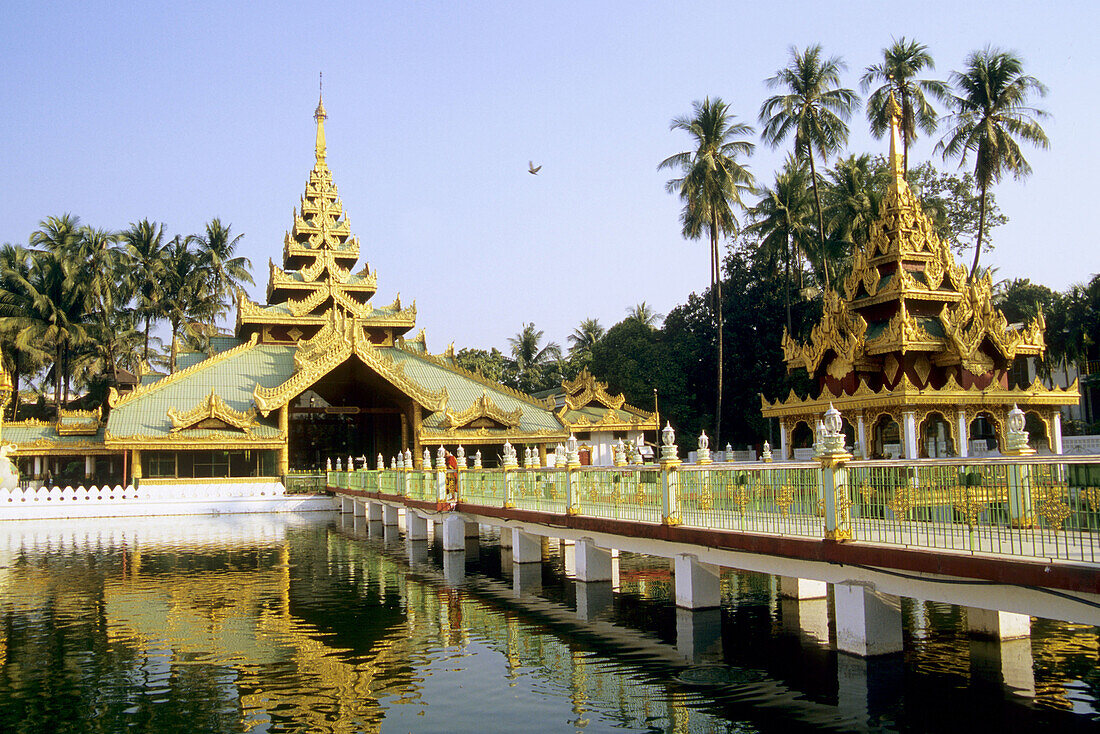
1008	538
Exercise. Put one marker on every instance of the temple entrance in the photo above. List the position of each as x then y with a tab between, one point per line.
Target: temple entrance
983	435
885	438
935	435
351	411
1037	437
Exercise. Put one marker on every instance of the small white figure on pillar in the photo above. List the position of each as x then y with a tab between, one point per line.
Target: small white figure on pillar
441	459
669	452
1016	437
381	463
338	466
766	453
408	459
510	461
328	464
572	454
477	459
703	453
460	457
427	460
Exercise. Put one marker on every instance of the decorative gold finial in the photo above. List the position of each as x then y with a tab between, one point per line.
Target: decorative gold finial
319	116
897	166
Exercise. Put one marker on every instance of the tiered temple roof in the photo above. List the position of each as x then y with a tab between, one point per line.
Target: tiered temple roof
910	329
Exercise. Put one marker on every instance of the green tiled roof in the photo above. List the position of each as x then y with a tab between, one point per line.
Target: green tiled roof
462	391
25	435
596	413
232	377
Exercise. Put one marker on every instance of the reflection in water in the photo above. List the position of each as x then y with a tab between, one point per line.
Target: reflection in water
274	623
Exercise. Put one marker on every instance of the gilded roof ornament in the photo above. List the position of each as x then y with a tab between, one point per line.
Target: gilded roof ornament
483	407
212	412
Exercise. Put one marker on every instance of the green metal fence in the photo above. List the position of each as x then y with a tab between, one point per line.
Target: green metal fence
1038	507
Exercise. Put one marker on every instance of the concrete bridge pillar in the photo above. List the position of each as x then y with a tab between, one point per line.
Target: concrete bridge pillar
374	511
417	526
526	548
593	563
568	551
791	587
997	625
347	505
389	515
868	623
506	537
473	530
358	508
454	534
697	583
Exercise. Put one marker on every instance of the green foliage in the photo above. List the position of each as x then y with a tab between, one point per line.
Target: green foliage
992	116
953	203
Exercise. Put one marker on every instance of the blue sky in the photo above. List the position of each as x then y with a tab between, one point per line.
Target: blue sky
181	112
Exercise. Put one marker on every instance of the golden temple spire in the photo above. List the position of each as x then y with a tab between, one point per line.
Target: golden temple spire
319	115
897	165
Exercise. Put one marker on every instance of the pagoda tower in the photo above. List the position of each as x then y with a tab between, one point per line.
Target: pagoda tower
316	281
913	352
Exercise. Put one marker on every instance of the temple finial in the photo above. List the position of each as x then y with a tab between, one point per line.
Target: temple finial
319	116
897	164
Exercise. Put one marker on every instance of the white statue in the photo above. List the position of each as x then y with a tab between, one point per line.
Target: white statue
9	474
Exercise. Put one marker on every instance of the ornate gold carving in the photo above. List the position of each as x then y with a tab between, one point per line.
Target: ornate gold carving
586	389
339	339
839	330
212	409
483	407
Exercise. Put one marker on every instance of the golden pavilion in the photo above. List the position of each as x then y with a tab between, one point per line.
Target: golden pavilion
913	353
316	374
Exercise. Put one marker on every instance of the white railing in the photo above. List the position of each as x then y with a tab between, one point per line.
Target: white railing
1081	444
118	493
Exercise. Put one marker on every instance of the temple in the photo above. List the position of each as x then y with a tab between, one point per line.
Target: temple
913	353
316	373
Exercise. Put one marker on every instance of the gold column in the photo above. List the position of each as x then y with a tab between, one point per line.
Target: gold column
135	461
404	431
284	452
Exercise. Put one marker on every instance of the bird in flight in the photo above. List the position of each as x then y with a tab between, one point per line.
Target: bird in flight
532	168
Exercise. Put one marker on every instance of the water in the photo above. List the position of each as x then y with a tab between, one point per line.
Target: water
288	624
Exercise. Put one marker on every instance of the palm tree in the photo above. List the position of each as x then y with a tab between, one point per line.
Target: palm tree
900	64
815	110
584	336
22	352
991	114
529	357
781	219
144	251
187	295
712	185
216	250
644	314
853	200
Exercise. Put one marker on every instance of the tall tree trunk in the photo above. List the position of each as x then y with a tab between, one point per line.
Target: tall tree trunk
145	354
57	378
820	218
717	267
981	232
172	357
68	357
787	284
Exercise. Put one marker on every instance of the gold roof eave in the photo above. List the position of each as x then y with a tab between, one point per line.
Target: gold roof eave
908	394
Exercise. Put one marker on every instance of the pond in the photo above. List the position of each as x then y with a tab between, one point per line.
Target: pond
265	623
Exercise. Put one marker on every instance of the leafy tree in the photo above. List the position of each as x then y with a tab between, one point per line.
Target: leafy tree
815	111
145	262
186	292
953	204
22	352
216	250
644	314
530	359
991	115
712	185
491	364
585	336
781	222
897	71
